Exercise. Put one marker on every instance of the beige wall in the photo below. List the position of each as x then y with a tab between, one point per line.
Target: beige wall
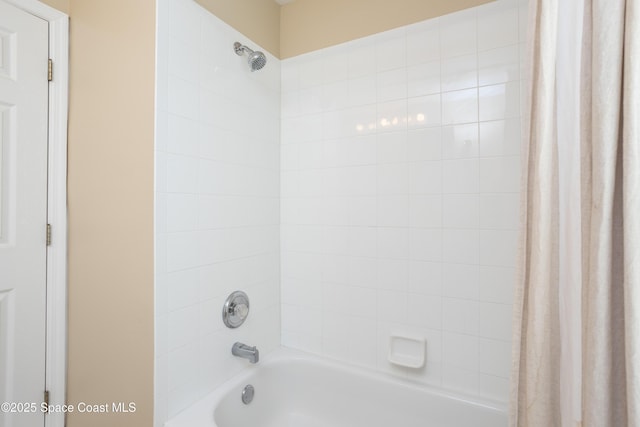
110	184
308	25
61	5
257	19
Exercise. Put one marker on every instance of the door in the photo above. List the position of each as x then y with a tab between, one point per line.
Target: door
23	214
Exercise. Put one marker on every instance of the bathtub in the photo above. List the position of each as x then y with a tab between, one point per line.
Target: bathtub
298	390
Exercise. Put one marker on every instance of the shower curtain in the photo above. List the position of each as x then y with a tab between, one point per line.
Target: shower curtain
576	354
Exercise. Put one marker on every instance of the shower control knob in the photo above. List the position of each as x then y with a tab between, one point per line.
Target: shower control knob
241	310
235	309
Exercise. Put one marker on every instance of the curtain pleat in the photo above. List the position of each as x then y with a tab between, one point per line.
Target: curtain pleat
606	330
631	206
535	380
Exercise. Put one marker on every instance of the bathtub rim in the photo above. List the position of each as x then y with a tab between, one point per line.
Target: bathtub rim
206	405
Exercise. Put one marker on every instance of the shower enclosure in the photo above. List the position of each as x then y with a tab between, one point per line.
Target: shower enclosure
355	193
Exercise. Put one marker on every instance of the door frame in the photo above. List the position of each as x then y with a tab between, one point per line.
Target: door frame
56	328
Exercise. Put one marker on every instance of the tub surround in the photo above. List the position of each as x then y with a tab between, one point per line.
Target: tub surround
399	192
373	184
217	205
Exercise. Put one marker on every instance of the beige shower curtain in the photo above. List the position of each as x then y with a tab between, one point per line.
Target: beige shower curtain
599	330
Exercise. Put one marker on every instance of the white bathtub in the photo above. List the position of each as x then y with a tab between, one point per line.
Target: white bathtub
298	390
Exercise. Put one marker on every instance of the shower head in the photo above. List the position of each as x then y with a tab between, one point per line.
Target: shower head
256	60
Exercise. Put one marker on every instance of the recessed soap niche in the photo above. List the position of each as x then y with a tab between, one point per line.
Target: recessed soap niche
407	351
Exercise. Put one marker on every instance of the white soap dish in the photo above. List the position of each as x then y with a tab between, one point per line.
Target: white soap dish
409	352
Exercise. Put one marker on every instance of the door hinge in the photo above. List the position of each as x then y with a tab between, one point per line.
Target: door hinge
50	70
46	397
48	234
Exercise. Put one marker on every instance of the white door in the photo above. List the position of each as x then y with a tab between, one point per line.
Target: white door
23	213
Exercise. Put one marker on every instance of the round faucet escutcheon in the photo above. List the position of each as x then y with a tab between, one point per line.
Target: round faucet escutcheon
235	310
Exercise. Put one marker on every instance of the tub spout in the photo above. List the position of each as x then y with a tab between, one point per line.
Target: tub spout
242	350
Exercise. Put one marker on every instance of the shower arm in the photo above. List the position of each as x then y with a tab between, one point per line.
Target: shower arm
241	49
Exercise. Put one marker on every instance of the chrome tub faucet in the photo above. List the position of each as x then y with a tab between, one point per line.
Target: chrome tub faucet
242	350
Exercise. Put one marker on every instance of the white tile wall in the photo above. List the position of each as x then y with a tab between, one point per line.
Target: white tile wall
217	202
395	184
399	196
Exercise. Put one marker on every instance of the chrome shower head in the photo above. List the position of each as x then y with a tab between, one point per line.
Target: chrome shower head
256	60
